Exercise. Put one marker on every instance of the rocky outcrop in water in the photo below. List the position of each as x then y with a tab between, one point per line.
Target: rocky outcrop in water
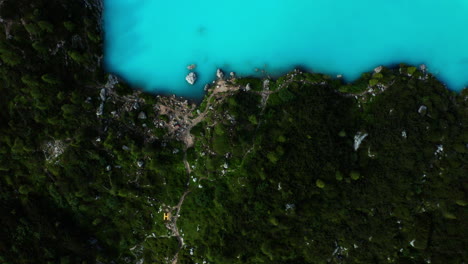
191	78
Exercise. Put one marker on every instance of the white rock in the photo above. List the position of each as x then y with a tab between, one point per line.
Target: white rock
440	149
191	78
219	74
378	69
422	110
358	138
102	94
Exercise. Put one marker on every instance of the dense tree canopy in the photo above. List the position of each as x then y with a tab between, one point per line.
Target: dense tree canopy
302	169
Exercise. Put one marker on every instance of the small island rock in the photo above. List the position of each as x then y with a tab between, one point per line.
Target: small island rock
191	78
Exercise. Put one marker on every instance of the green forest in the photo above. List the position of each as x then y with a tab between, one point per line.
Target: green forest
304	168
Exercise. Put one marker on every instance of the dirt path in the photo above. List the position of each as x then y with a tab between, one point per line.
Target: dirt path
184	119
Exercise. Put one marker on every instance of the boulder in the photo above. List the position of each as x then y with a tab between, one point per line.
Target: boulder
422	110
219	74
378	69
191	78
191	66
142	115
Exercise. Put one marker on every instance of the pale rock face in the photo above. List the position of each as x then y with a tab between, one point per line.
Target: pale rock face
191	78
247	87
102	94
100	110
219	74
358	138
378	69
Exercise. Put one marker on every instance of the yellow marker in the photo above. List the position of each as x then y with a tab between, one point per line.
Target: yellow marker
167	216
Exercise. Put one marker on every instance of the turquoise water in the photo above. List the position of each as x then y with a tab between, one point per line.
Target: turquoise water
151	42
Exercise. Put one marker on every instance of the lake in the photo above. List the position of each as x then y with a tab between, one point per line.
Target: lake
150	43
